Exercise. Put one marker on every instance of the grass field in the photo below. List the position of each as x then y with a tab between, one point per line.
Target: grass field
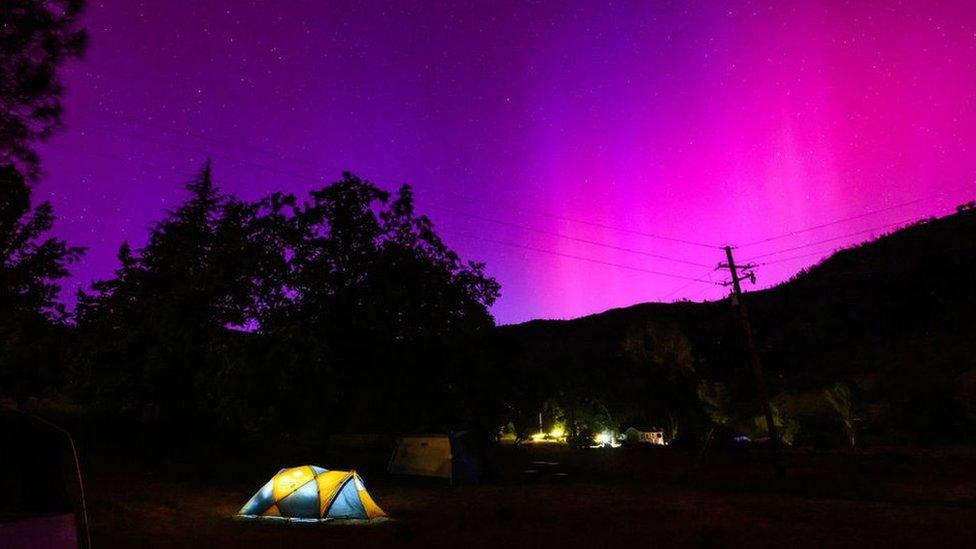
177	493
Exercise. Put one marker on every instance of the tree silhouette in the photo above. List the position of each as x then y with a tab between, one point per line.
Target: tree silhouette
348	306
30	266
36	37
149	332
379	296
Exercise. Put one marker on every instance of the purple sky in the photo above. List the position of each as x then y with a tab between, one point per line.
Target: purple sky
547	139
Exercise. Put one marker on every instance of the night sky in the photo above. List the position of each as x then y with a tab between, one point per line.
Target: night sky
553	140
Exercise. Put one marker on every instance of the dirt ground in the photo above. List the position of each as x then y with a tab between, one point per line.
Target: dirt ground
179	493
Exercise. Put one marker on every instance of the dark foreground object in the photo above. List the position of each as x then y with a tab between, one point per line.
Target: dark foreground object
43	503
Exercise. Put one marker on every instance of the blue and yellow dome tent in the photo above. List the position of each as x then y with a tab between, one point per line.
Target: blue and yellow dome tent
311	493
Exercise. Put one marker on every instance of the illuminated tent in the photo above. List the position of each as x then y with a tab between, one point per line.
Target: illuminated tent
310	493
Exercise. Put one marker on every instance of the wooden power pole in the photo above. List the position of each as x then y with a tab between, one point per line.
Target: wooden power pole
757	372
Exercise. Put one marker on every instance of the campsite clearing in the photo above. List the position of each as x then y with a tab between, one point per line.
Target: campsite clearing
606	497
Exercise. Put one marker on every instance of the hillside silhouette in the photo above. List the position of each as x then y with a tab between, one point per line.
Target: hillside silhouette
893	318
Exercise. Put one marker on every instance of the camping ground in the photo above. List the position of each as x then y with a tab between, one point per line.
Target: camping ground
164	491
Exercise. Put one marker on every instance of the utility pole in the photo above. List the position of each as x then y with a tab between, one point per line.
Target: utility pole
753	352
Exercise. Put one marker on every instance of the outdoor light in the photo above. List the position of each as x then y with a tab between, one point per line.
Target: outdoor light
603	438
557	432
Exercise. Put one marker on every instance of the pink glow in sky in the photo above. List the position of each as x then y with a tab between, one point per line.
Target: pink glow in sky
719	123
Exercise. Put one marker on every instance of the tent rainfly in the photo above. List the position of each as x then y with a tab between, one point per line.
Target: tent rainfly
310	493
457	457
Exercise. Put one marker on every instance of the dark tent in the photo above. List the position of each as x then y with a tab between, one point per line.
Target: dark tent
462	457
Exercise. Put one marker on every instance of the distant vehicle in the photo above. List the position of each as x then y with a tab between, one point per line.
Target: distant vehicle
43	503
743	441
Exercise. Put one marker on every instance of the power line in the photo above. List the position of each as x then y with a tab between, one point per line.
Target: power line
622	229
841	237
580	258
456	212
832	239
565	236
699	293
832	251
941	195
688	284
454	193
522	246
305	177
526	247
801	256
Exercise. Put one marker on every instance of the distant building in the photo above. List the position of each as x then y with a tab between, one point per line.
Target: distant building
635	436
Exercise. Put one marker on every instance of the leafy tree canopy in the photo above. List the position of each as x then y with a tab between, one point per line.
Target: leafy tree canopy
36	37
30	265
346	288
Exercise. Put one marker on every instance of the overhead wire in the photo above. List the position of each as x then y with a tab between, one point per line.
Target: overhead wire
580	258
699	293
533	248
565	236
903	222
940	195
435	206
305	177
535	211
832	239
472	199
689	284
821	253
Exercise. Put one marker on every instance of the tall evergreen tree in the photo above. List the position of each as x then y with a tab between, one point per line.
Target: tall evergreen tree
152	327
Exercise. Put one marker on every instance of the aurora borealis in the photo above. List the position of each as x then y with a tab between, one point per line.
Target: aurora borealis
533	130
